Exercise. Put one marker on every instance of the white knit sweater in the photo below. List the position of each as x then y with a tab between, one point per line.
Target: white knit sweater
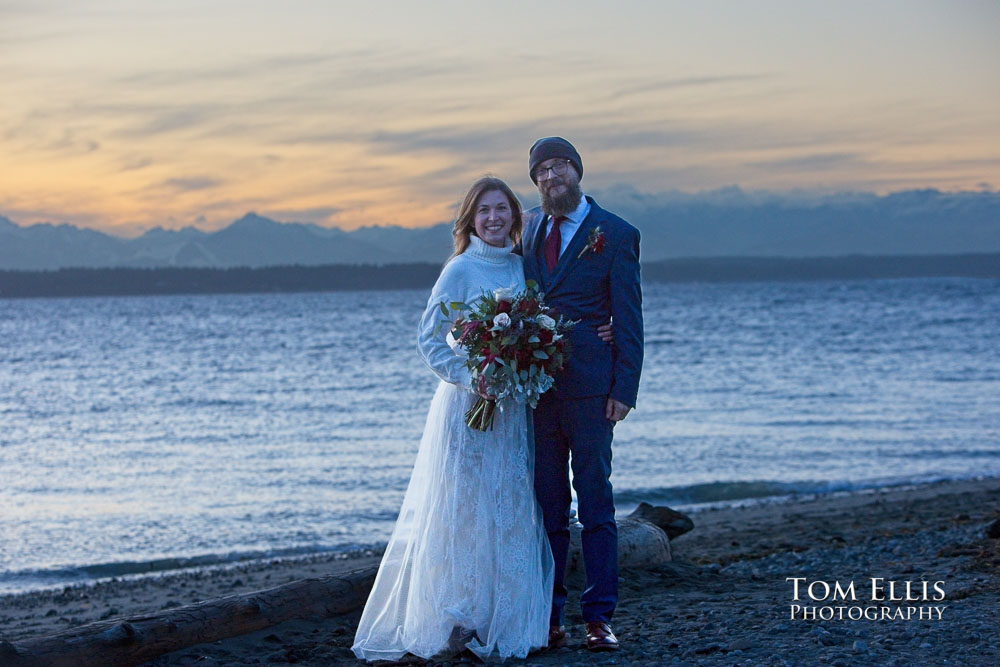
481	267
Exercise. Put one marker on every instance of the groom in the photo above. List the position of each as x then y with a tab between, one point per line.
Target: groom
586	261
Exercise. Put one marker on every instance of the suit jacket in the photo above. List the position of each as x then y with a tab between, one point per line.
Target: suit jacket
592	289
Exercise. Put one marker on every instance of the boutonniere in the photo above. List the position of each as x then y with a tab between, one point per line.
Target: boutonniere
595	242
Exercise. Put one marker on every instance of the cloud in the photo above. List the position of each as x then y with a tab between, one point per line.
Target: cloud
591	133
185	76
16	9
70	144
814	162
136	163
228	206
686	82
288	99
594	130
170	120
332	137
349	70
455	138
389	74
10	38
315	215
191	184
613	137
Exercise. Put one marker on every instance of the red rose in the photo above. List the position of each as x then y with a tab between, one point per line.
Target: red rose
528	306
599	243
503	306
545	336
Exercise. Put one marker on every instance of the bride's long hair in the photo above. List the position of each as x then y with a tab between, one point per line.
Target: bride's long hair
465	223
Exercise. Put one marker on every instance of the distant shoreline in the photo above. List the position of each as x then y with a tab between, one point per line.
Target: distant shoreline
122	281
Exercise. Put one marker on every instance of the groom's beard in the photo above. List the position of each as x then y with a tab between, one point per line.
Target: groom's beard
563	203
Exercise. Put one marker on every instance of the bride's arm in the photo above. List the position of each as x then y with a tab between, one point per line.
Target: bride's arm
434	349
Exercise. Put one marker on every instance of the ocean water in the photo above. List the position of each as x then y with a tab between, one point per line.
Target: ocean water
143	434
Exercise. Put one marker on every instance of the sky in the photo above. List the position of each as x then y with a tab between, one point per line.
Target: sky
122	116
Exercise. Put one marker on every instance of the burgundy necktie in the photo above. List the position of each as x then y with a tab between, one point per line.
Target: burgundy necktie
552	244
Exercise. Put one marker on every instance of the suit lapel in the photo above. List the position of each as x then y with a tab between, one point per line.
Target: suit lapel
571	258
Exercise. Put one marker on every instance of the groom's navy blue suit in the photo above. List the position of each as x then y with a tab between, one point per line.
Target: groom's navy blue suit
570	418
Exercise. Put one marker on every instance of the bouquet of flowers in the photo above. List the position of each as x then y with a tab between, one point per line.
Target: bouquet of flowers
514	344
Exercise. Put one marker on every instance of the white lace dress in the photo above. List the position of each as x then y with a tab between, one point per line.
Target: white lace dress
468	564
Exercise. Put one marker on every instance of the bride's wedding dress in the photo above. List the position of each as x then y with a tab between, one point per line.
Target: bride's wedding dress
468	565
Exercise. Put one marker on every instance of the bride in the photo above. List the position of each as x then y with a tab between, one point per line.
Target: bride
468	565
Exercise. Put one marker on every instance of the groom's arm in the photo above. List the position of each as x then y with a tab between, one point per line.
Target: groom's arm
626	312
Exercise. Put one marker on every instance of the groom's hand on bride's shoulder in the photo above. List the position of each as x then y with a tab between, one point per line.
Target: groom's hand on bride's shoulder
616	410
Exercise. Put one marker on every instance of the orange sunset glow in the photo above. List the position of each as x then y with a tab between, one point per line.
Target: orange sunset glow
123	116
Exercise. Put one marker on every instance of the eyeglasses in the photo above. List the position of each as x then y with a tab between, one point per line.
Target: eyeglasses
558	169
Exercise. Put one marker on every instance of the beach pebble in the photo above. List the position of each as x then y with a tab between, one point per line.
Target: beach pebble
824	637
708	648
743	644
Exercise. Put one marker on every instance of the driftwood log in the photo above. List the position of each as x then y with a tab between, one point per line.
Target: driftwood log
135	640
643	540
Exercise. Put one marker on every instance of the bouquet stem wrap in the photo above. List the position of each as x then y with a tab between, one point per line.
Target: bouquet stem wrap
480	417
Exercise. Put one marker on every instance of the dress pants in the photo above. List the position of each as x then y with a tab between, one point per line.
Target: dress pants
576	432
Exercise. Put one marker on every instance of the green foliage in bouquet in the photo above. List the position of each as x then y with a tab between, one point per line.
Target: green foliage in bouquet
514	346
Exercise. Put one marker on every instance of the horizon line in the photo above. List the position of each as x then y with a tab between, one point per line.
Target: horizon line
799	195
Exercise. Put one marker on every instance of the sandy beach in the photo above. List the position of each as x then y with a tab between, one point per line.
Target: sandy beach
727	597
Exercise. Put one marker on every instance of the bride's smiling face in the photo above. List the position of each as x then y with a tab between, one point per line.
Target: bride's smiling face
494	218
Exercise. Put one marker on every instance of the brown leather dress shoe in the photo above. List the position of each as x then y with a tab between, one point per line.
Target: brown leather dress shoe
557	636
600	637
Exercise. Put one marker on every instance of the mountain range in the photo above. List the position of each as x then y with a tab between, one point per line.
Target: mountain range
723	223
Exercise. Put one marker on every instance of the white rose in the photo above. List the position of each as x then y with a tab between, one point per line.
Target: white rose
501	321
503	294
546	322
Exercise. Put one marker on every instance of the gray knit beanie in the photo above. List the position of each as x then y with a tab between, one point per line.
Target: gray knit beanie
547	148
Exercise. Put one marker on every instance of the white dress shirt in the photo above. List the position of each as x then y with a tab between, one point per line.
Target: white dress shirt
570	224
